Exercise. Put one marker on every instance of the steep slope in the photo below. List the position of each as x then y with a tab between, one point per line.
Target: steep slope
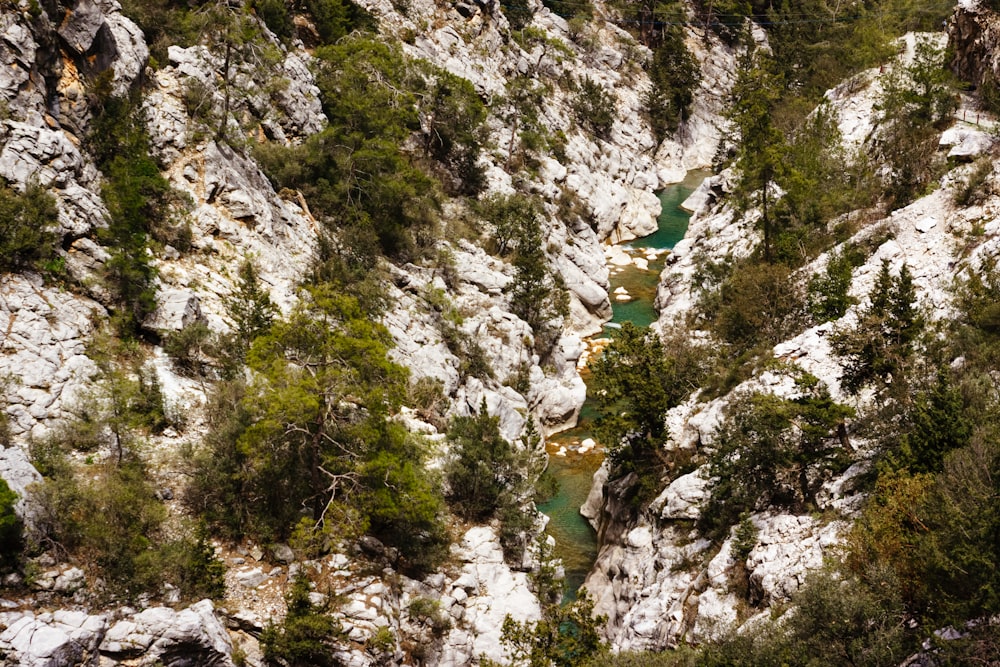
661	579
201	109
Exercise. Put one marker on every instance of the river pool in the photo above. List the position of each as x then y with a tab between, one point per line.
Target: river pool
576	540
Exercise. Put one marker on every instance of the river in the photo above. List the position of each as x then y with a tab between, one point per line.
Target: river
576	540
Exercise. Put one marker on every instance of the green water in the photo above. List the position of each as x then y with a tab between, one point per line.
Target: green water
576	540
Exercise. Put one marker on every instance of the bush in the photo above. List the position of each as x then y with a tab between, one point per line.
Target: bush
827	298
191	349
481	466
674	74
758	304
565	636
878	350
112	521
355	174
137	198
594	107
10	525
518	13
767	451
977	186
335	18
307	634
274	14
453	116
507	215
27	223
191	565
637	378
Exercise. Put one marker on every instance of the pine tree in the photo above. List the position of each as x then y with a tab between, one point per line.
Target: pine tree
761	145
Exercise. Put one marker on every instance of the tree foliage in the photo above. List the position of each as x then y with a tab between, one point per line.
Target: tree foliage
768	448
355	174
482	467
10	524
312	433
137	198
674	75
637	378
28	223
565	636
877	350
307	634
594	107
916	104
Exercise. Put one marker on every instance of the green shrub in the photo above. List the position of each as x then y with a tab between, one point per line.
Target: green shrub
757	304
355	174
429	611
566	636
765	449
453	116
335	18
482	466
674	74
518	13
137	197
977	186
827	297
878	349
112	520
28	239
191	565
191	349
594	107
507	215
745	539
10	525
537	295
917	102
307	634
637	378
274	14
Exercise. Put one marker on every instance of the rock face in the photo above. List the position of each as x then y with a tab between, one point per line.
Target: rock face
44	333
159	635
192	636
53	640
972	34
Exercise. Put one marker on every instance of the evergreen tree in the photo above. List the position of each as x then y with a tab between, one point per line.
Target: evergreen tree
482	466
537	296
938	426
878	349
761	145
674	75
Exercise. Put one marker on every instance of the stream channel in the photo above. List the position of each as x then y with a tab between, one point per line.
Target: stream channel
572	462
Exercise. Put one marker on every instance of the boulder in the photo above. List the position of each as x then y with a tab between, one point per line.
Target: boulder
683	498
53	640
175	309
80	25
190	637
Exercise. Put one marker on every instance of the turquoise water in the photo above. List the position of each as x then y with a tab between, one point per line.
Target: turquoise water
576	540
673	220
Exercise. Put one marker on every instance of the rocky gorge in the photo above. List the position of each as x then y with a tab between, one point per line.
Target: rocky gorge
658	580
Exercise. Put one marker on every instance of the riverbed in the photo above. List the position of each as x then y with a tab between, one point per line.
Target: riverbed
635	271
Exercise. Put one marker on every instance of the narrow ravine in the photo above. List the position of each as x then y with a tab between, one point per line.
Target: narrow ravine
573	454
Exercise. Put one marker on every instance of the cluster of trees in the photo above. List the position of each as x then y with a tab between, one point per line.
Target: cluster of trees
637	378
769	452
